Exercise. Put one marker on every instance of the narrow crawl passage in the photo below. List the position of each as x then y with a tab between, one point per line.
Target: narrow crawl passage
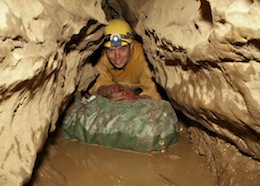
77	164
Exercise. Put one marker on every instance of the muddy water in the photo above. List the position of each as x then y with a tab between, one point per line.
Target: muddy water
92	165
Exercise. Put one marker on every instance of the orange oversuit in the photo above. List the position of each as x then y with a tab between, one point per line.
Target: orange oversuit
136	74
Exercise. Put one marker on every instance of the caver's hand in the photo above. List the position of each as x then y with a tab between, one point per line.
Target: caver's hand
109	90
127	95
124	95
117	92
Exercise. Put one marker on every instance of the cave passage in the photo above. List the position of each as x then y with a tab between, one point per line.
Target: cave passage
71	162
203	53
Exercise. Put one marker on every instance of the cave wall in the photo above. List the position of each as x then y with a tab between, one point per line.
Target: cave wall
43	52
204	53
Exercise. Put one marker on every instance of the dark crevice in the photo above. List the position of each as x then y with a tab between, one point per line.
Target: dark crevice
84	32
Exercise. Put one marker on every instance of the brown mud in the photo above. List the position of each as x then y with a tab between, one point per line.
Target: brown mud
73	163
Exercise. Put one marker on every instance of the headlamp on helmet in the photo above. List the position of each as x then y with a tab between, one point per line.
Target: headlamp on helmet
117	39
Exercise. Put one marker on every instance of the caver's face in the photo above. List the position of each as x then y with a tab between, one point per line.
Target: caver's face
119	56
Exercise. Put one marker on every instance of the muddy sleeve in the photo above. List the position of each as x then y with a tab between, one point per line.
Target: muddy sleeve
104	77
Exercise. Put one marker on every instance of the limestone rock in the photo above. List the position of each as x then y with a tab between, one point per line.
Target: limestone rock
206	55
225	160
42	52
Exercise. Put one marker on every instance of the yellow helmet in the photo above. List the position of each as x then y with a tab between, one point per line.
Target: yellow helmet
117	33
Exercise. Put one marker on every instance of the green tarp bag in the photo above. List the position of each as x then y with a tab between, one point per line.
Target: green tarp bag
139	125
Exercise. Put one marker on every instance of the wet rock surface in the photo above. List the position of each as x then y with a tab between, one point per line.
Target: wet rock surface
205	54
207	74
231	166
43	54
